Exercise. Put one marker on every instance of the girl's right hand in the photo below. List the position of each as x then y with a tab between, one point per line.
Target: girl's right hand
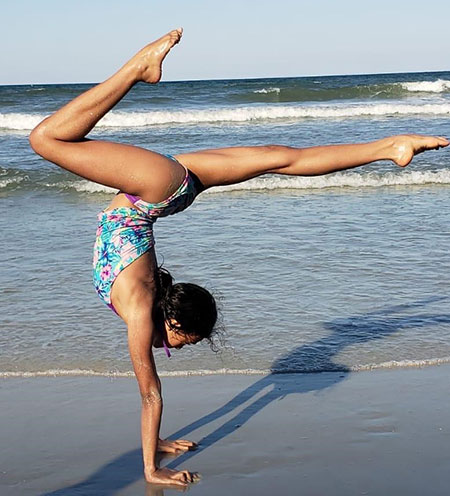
169	476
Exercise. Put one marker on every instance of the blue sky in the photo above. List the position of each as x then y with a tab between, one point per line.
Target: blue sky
48	41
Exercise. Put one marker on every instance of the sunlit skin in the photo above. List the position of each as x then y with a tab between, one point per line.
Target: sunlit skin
177	340
61	139
174	336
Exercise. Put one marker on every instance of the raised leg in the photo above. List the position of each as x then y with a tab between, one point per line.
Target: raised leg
233	165
61	137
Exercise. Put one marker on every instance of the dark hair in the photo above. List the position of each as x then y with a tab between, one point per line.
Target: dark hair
192	307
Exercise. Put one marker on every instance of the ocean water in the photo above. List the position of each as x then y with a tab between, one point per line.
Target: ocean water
348	271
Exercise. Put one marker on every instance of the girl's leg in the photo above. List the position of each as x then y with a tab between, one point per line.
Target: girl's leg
61	137
234	165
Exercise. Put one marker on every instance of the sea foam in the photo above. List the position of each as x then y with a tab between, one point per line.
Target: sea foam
273	183
20	122
340	180
268	90
439	86
117	119
4	183
393	364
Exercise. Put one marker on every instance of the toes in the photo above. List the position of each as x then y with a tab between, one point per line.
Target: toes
176	34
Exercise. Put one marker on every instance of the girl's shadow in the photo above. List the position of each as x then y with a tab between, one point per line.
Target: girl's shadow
317	356
343	332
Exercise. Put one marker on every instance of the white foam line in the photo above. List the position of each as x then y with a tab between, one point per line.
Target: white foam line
273	183
248	114
92	373
339	180
268	90
5	182
393	364
82	186
397	364
438	86
18	121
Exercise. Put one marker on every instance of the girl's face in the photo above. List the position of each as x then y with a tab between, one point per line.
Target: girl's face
178	339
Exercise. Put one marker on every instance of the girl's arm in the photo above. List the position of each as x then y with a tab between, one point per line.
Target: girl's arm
140	339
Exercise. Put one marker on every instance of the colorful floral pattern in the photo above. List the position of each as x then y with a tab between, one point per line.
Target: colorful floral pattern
126	233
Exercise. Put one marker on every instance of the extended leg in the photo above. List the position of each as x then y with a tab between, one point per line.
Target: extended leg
234	165
61	137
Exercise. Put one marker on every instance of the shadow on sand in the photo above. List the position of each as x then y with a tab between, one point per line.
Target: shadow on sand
344	332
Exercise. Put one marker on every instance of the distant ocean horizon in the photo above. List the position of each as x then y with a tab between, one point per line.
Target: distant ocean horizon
348	271
246	78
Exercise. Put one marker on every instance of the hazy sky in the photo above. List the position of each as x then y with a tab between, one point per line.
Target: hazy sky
47	41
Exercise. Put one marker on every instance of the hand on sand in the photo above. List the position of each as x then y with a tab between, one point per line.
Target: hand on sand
147	63
404	147
168	446
169	477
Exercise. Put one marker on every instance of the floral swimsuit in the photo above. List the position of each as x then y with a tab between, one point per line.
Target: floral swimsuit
126	233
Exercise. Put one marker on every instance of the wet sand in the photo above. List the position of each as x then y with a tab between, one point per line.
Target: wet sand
380	433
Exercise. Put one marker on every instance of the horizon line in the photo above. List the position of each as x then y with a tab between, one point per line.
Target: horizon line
244	78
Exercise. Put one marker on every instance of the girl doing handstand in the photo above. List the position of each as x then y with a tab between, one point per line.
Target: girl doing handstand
126	276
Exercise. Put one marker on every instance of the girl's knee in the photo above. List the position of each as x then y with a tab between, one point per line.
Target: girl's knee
279	156
38	139
277	148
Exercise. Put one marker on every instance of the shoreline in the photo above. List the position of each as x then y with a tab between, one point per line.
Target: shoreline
388	366
375	433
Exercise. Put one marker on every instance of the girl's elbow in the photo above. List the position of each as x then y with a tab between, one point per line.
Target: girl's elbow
151	397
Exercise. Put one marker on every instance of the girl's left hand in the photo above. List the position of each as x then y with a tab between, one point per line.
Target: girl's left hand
168	446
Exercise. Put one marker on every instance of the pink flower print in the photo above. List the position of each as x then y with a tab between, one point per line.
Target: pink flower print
105	273
129	222
115	217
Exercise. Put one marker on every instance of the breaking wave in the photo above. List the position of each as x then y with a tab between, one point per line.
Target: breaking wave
268	183
439	86
118	119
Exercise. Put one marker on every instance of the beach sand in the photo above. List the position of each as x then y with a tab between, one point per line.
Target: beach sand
384	432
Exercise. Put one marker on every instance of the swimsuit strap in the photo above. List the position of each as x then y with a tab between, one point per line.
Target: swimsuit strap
166	349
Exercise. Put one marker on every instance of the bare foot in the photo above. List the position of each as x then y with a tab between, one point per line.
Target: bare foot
404	147
148	61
